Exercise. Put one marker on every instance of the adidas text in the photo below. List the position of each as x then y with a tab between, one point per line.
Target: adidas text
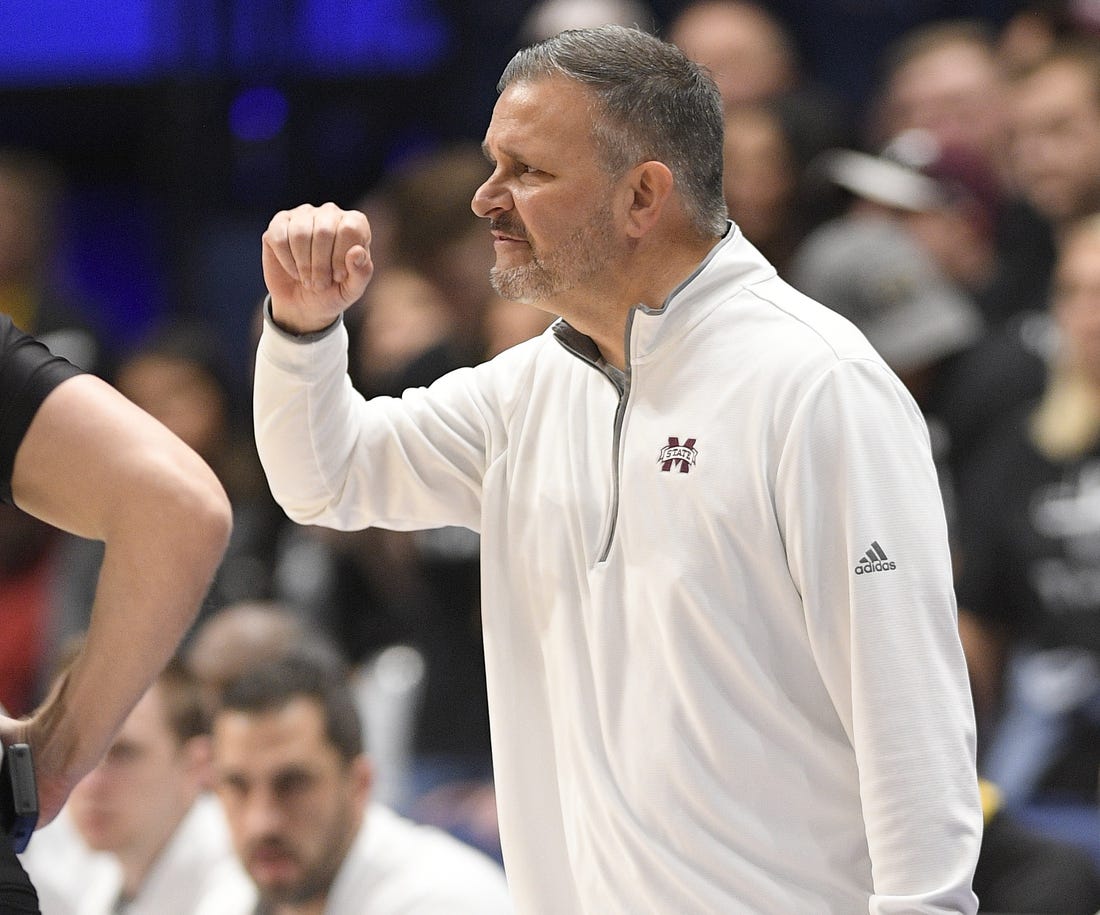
865	568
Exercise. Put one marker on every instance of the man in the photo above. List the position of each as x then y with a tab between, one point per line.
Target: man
146	805
745	47
78	455
291	774
1055	120
945	79
723	666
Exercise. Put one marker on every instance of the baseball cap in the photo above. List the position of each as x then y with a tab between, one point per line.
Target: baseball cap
916	172
872	272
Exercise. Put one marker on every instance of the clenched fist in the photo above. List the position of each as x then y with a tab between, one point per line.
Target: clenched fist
316	263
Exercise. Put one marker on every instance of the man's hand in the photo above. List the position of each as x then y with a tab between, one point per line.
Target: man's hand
316	264
54	778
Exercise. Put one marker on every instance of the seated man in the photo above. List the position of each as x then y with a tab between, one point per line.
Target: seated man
291	774
146	804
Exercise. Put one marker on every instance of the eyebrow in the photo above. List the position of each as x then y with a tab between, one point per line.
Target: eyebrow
505	151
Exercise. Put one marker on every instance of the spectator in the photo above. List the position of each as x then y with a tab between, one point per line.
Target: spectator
1055	116
1029	601
296	787
238	637
747	50
438	236
949	201
146	804
1023	870
869	269
771	192
548	17
30	191
945	78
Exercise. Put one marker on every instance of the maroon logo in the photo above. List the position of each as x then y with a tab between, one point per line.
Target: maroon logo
676	454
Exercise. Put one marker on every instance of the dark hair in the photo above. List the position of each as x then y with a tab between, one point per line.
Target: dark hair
1082	52
933	36
185	711
272	685
653	103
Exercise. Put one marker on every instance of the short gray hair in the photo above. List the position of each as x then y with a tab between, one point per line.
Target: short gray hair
654	102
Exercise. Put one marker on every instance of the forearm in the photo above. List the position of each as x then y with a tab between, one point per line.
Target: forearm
94	464
158	561
334	459
305	431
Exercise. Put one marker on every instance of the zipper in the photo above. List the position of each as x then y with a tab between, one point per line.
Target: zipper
585	349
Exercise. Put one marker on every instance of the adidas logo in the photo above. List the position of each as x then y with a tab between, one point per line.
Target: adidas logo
874	560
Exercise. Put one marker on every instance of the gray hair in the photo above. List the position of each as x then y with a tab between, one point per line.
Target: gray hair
653	103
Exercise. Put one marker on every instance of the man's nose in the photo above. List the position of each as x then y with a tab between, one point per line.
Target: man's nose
491	198
261	817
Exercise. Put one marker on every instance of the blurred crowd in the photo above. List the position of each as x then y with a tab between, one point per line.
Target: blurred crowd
950	208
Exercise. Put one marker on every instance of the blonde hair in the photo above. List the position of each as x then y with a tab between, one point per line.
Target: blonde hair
1066	422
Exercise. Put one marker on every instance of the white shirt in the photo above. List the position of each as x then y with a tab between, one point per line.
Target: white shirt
61	865
723	662
397	867
195	865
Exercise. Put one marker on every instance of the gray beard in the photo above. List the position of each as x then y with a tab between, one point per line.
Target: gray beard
528	284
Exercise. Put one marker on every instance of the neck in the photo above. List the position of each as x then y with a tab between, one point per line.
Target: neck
313	907
647	278
137	862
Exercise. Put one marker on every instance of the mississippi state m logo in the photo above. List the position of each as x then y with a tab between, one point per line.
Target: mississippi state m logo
674	454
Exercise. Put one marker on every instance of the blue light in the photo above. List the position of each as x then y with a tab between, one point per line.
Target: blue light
258	114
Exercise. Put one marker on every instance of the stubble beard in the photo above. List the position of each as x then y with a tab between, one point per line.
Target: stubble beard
582	256
318	876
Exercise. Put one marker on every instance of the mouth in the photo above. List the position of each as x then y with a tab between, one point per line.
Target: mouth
271	864
503	234
506	242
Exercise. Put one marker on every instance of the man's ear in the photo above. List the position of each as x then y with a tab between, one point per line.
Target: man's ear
197	751
649	186
362	774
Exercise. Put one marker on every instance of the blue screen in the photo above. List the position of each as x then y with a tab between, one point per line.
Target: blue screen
66	42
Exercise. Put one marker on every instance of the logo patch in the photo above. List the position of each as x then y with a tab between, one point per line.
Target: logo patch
676	455
874	560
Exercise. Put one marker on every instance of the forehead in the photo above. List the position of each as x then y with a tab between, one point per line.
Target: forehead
550	115
1081	251
257	741
148	720
1061	83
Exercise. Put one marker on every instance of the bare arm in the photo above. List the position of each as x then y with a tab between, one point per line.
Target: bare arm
94	464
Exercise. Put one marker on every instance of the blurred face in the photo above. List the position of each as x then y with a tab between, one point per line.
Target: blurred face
1056	141
180	394
957	93
1077	298
138	794
758	178
21	229
293	804
743	49
549	200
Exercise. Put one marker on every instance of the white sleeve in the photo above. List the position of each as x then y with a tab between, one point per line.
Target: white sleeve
333	458
858	499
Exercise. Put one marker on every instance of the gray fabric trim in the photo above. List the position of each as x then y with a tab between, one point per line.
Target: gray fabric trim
311	337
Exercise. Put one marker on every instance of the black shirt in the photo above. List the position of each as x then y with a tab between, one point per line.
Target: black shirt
28	372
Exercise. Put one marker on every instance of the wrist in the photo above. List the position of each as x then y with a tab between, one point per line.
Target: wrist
300	336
